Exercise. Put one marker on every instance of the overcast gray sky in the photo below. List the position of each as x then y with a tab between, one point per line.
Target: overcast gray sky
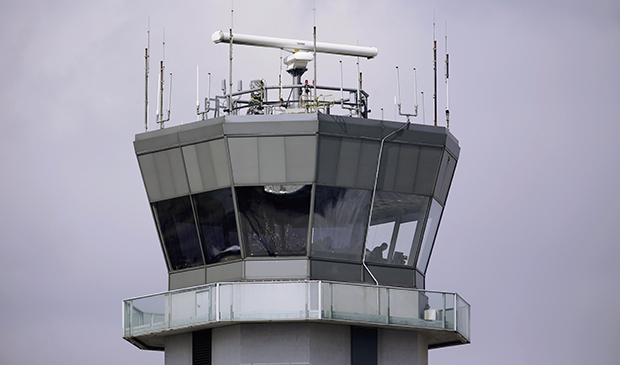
530	235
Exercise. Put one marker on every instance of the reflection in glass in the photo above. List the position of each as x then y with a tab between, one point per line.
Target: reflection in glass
274	221
178	231
339	221
429	236
394	233
216	222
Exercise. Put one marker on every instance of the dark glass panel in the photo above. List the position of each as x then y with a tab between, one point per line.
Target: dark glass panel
178	230
216	222
274	218
430	232
339	222
395	228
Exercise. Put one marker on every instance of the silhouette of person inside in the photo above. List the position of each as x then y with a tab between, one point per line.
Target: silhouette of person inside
377	253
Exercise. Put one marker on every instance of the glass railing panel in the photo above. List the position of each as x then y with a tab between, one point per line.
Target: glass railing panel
438	310
407	307
259	301
146	314
191	306
359	303
462	317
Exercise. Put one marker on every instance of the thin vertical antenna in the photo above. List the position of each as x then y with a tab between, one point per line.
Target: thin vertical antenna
415	90
341	87
230	82
435	69
314	16
280	77
423	110
415	107
197	90
169	98
398	87
359	85
447	81
160	108
146	76
208	103
357	98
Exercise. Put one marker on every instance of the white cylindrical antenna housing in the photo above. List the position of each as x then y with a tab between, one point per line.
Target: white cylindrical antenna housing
293	44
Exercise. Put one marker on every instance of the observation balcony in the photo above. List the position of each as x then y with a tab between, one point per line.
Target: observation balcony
443	318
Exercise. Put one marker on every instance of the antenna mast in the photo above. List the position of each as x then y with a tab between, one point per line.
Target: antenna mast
435	68
314	46
447	82
146	76
230	46
415	112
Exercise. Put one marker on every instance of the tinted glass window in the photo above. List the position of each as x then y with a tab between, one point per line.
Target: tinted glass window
274	218
178	230
339	222
218	229
429	236
395	228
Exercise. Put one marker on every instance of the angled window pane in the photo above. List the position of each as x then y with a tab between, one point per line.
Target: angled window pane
339	222
274	219
429	236
178	231
395	228
218	229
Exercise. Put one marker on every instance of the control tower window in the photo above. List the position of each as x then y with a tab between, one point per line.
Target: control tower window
395	228
178	232
339	222
216	222
429	236
274	219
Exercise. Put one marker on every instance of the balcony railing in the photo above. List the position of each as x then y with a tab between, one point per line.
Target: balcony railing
221	303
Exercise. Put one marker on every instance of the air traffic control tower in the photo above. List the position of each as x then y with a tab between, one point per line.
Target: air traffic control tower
293	235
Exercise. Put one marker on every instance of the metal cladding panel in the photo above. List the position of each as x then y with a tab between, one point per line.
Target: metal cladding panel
419	280
452	144
270	124
428	167
227	272
300	153
244	160
276	269
185	279
202	130
156	140
347	162
392	276
407	167
389	164
444	178
367	167
207	165
164	174
329	148
330	270
348	126
271	159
